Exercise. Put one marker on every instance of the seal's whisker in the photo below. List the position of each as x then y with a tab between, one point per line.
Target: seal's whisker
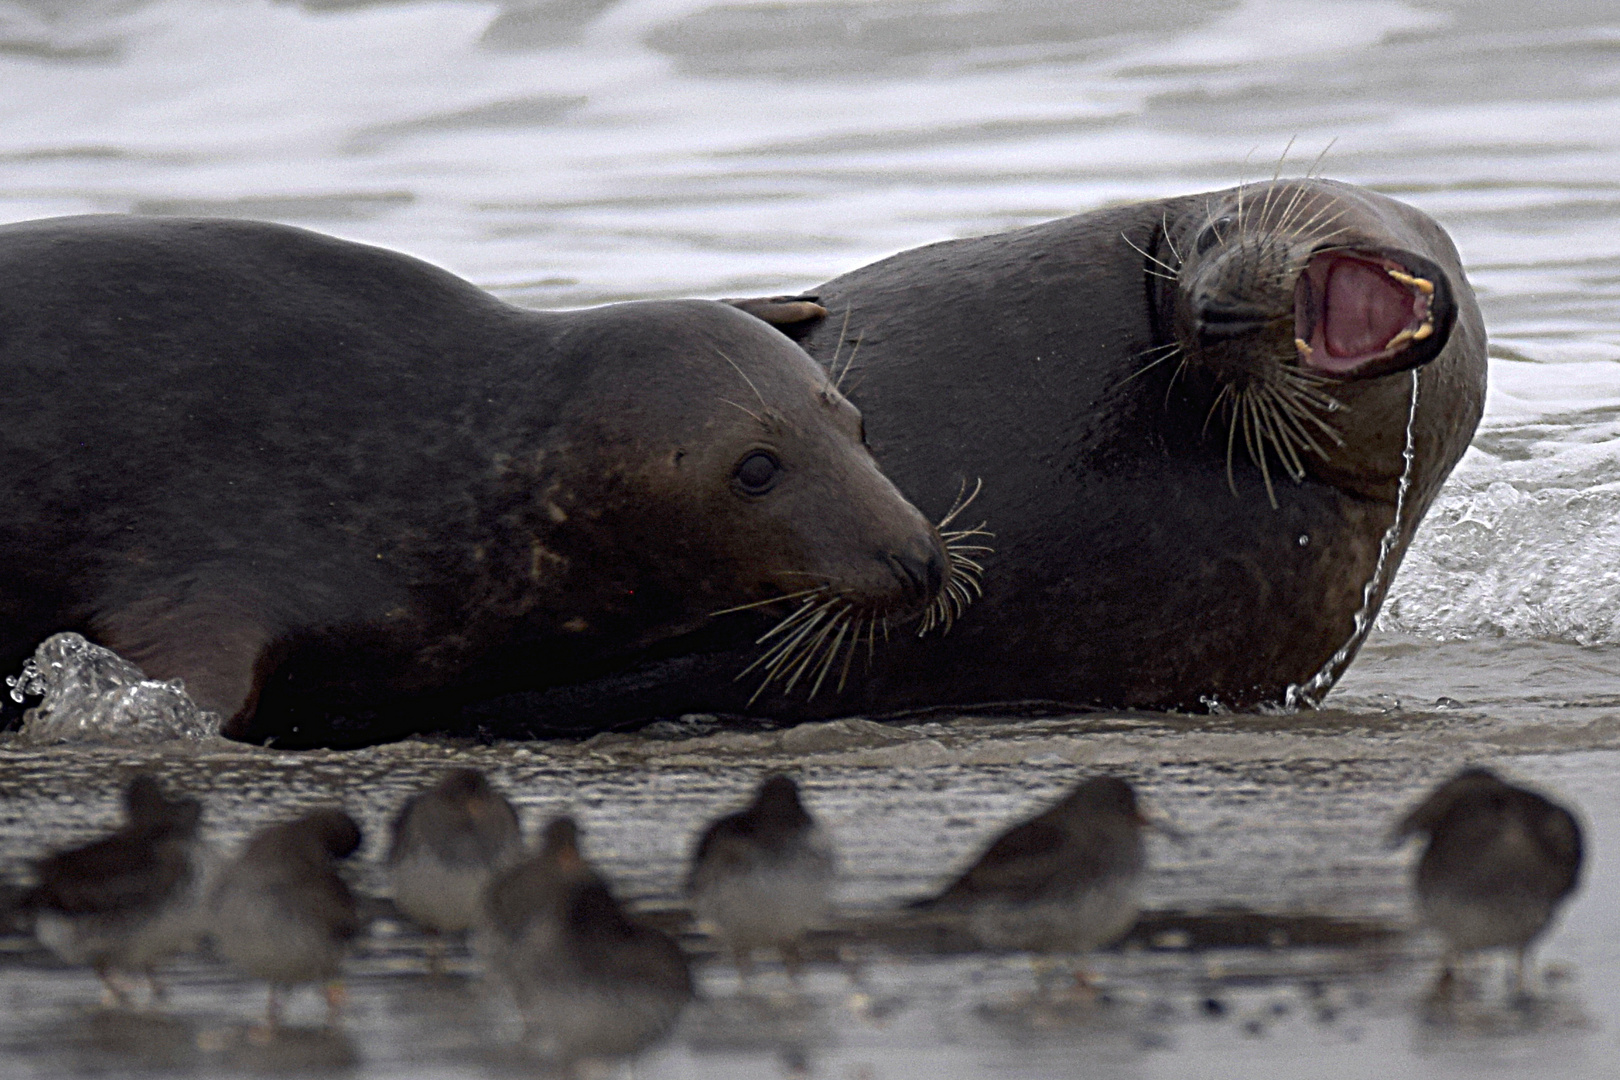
1231	435
1164	231
1290	423
837	643
854	350
1266	414
849	656
745	409
1174	375
1171	351
838	348
1150	258
810	650
1317	164
782	654
1252	438
1271	188
1294	206
767	601
1226	391
805	611
1298	412
961	503
963	585
745	378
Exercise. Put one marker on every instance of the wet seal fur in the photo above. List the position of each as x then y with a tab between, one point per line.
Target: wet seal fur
341	492
1190	417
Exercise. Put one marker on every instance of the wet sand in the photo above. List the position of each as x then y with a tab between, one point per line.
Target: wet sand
1274	944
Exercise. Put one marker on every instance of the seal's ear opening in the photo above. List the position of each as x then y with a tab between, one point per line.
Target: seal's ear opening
1364	312
795	316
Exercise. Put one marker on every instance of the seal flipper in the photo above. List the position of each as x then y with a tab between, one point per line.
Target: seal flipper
213	642
795	316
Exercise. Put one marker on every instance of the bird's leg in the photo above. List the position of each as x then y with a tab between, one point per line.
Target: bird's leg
792	961
1041	966
266	1033
156	992
1520	988
113	994
1085	984
435	954
336	998
1445	987
743	957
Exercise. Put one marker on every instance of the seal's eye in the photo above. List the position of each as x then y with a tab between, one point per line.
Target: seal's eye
1213	233
758	472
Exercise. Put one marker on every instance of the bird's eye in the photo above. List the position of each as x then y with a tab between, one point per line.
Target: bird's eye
1213	233
757	473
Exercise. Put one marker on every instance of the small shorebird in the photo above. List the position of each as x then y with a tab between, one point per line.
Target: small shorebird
591	983
448	842
281	911
131	899
1500	861
763	877
1065	881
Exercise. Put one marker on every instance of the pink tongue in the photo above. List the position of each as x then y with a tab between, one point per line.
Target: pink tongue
1363	309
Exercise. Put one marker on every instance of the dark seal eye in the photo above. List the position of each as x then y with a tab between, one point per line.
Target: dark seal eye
758	472
1213	233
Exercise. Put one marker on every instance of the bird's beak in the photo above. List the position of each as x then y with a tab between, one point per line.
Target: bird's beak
1162	826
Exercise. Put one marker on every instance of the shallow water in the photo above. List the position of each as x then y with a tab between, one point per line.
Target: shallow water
569	152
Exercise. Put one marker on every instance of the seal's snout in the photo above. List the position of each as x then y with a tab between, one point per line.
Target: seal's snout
921	571
1217	321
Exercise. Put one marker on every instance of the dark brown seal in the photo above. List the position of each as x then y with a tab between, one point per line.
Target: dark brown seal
1191	420
340	492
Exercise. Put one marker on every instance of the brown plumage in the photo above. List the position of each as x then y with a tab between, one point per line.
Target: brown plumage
591	982
1499	862
447	843
1066	880
281	911
129	900
764	875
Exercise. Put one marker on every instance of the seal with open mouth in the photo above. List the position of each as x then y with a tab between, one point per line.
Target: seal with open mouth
341	492
1195	426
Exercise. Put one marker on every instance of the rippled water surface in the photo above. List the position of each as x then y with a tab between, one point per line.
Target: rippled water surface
568	152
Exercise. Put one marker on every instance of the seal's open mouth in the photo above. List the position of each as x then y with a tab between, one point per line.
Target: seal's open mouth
1360	313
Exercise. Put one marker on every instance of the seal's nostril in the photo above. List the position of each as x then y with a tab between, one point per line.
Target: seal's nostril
919	576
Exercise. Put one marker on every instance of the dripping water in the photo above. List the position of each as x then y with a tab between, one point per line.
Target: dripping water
1316	687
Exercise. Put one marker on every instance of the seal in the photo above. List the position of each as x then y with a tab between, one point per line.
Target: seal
1195	426
341	492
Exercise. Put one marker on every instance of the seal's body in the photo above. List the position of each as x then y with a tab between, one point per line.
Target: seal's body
339	491
1117	380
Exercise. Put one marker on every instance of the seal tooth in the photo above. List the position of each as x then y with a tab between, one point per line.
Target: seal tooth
1303	347
1400	339
1422	285
1423	331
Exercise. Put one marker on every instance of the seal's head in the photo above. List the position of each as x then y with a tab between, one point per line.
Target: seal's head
724	471
1286	292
